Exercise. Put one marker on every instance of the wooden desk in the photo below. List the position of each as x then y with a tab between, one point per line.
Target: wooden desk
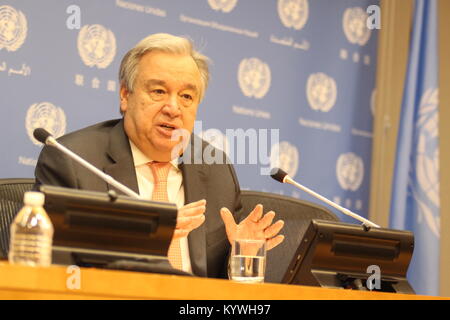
18	282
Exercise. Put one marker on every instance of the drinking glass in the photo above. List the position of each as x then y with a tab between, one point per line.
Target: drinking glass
248	260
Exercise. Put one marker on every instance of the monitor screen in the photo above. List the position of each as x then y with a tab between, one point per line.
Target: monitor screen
105	227
340	255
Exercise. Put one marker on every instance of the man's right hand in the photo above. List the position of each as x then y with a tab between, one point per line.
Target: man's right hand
190	217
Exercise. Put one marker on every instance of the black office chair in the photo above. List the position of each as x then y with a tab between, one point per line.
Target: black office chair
11	201
296	214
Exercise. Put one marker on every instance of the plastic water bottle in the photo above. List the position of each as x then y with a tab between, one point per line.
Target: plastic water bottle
31	233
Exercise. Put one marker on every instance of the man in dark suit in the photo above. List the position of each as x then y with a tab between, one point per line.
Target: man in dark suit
163	79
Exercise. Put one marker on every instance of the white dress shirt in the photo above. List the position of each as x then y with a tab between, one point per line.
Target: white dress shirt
175	191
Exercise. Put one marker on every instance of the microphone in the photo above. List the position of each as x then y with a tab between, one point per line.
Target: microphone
46	138
283	177
41	135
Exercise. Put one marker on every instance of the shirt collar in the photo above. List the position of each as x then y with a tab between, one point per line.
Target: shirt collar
140	158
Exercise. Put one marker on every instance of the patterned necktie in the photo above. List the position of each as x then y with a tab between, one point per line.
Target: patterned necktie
160	172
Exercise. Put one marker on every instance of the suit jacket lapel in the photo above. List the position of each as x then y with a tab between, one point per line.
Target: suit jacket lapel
121	167
195	188
195	176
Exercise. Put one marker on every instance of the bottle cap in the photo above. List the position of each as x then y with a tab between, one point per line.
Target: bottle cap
32	198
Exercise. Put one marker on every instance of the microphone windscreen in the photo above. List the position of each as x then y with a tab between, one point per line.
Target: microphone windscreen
41	135
278	174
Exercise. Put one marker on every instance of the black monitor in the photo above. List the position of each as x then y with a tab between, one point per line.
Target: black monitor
97	229
340	255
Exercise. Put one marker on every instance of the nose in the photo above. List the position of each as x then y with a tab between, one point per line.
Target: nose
171	107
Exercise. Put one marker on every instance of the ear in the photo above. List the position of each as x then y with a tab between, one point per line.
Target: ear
123	99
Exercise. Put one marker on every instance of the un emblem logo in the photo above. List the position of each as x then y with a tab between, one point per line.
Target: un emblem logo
321	92
13	28
426	170
254	77
284	156
293	13
45	115
355	26
222	5
350	171
216	138
96	46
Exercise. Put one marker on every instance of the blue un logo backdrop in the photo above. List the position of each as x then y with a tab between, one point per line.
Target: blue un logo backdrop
303	67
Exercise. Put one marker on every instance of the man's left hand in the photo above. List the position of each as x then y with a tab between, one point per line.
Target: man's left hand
255	226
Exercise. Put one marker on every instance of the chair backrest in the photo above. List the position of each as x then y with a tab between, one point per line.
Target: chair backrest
11	201
296	214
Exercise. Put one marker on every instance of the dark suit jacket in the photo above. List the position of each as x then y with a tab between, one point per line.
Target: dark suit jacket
106	146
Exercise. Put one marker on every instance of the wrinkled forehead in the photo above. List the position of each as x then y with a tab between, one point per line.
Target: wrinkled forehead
151	83
168	68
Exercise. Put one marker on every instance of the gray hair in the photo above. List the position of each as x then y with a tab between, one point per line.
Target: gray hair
162	42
